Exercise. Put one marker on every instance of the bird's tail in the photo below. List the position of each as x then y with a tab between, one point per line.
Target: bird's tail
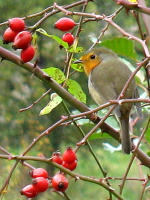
125	136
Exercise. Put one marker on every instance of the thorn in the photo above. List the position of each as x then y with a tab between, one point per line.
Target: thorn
46	133
36	62
101	180
64	117
10	157
121	96
77	178
120	102
111	189
93	117
81	143
2	59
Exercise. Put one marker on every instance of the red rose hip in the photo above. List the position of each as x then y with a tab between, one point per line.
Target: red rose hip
27	54
38	172
60	182
9	35
41	184
65	24
69	155
57	158
29	191
16	24
22	40
70	166
68	37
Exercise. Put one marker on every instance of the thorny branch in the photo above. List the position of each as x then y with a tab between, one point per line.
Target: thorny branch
133	157
7	55
73	174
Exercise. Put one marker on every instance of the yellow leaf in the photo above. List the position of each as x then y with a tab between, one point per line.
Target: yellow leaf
54	102
133	1
4	191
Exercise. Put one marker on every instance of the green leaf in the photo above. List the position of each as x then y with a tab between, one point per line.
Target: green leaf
77	67
146	108
54	37
75	89
54	102
147	134
121	46
112	121
140	76
75	49
55	73
148	153
95	136
60	41
34	38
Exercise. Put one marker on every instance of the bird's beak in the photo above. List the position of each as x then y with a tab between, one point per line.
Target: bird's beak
77	62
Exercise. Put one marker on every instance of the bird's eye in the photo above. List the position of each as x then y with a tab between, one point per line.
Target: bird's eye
92	56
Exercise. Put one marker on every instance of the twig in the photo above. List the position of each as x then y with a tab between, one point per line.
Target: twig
128	35
81	107
32	16
148	79
110	103
28	149
111	109
44	133
146	19
5	54
88	143
105	28
81	20
73	174
70	56
9	176
133	6
71	121
66	196
12	169
4	150
109	20
62	9
28	165
144	188
34	103
126	173
57	11
84	140
133	157
100	36
45	11
136	15
127	179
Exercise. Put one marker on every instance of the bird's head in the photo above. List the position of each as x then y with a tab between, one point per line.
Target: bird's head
93	58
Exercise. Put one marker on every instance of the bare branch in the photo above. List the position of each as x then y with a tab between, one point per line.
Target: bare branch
73	174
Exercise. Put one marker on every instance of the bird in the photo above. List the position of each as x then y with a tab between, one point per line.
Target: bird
107	75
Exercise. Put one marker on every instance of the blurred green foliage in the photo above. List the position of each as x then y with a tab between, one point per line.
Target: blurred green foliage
19	89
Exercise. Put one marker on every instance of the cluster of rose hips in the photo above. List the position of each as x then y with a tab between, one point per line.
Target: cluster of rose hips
67	160
41	181
21	38
66	24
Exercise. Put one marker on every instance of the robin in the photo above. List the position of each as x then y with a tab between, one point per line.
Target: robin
107	75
